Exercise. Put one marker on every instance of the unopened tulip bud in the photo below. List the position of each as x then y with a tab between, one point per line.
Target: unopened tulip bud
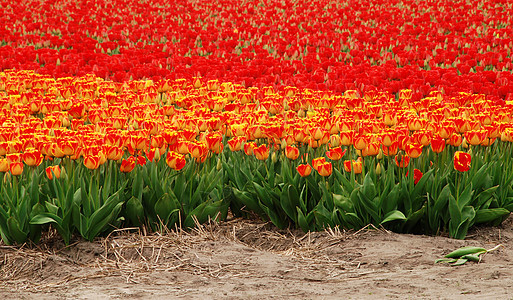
219	165
378	169
274	157
283	144
464	143
380	154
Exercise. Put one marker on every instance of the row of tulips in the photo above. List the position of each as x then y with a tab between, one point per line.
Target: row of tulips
322	44
170	152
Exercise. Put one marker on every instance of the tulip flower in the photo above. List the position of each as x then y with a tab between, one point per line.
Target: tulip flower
353	166
402	161
53	170
325	169
417	175
153	154
291	152
197	150
214	142
462	161
113	152
335	153
92	162
261	152
32	158
235	144
360	142
16	168
437	144
372	149
175	160
413	150
249	148
127	165
455	140
317	161
475	137
304	170
4	165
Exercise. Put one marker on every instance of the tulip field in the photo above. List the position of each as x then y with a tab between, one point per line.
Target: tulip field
306	114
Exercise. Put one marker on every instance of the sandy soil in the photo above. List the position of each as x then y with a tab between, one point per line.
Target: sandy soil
247	260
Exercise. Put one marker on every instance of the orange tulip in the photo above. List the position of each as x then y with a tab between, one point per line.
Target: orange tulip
16	168
32	157
4	165
360	142
304	170
388	137
68	147
153	154
317	161
446	131
402	161
92	162
4	148
214	142
127	165
455	140
335	153
139	142
346	138
335	140
422	137
249	148
235	144
300	135
372	149
181	146
55	150
391	150
355	166
113	152
197	150
389	118
325	169
175	160
261	152
291	152
413	150
56	171
475	137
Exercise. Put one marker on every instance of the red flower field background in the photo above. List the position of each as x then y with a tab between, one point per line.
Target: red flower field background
323	45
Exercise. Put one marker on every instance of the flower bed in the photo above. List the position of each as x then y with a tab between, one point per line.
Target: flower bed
145	114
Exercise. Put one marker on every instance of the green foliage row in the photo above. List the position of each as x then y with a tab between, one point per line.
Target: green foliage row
90	203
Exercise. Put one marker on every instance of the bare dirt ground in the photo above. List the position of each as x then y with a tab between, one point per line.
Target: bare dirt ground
242	259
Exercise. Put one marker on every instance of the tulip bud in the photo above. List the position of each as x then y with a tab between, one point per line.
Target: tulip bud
464	143
378	169
274	157
380	154
219	165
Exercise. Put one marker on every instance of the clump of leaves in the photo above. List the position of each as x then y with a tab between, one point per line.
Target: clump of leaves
464	254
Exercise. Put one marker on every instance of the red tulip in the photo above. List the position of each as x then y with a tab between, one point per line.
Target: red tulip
462	161
127	165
